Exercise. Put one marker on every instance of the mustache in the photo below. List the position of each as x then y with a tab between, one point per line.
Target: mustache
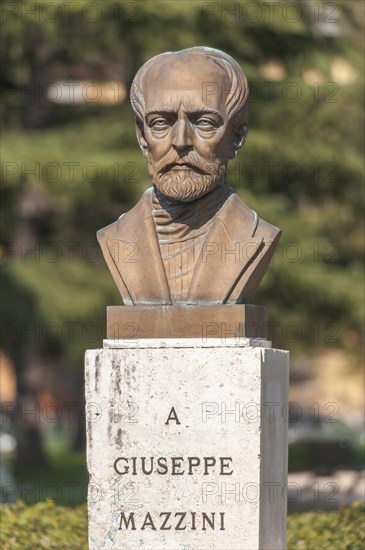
190	161
187	165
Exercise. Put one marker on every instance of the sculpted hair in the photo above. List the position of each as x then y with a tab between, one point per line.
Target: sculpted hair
236	96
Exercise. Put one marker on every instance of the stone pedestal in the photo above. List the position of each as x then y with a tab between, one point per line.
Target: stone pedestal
187	444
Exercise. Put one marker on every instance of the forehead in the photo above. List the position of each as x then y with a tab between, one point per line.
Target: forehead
194	82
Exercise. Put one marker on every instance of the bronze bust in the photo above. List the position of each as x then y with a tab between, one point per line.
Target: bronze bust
190	239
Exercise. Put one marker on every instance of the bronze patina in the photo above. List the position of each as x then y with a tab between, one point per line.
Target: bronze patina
189	240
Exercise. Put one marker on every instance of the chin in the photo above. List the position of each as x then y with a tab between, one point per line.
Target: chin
185	185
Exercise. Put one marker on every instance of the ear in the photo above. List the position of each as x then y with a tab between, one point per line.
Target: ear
141	140
238	139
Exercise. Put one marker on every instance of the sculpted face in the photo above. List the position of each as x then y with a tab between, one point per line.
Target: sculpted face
186	132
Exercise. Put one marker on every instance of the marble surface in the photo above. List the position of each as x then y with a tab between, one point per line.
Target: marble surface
187	445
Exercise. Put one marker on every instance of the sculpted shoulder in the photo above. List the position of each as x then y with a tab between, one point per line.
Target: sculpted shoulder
269	232
128	225
238	217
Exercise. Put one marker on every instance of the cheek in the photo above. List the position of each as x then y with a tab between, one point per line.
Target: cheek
210	148
158	146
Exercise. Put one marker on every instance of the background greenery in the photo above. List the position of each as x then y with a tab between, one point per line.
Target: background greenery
301	169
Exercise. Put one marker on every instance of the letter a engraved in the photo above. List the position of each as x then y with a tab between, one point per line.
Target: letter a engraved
172	416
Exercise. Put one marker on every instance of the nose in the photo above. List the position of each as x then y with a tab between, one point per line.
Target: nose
181	138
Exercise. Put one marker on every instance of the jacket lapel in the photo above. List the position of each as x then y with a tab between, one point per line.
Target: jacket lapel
226	253
139	261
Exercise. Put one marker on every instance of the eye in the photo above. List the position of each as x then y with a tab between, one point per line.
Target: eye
159	123
205	123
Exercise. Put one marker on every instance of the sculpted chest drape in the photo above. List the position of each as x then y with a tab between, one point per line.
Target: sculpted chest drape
232	261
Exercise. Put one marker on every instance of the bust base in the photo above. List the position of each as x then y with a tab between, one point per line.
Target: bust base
184	321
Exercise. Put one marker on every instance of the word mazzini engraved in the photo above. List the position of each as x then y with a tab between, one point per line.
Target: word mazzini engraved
178	521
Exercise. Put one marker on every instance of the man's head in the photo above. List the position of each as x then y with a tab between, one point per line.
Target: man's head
191	118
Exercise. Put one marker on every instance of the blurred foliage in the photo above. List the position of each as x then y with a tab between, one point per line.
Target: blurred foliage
340	530
69	471
46	525
43	526
301	169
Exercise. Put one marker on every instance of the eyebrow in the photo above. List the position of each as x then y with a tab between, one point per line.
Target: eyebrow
198	111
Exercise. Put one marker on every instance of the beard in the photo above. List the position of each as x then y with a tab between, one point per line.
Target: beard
194	180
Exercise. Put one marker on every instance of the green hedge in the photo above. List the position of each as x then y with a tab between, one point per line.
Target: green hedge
46	525
336	530
42	526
